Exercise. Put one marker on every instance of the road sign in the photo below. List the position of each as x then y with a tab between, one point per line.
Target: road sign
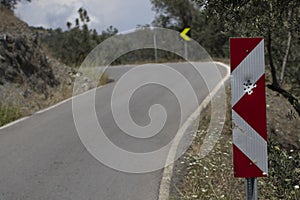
185	34
248	107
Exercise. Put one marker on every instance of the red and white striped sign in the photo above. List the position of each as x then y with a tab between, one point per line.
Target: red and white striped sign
248	107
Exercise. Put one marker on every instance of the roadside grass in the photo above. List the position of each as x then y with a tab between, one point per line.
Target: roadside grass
212	177
92	73
104	79
9	113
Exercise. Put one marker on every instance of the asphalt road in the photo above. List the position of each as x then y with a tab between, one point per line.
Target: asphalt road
42	157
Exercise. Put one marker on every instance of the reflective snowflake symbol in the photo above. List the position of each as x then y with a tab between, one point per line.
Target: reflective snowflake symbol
248	87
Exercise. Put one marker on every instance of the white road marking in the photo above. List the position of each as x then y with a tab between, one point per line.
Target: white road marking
164	189
46	109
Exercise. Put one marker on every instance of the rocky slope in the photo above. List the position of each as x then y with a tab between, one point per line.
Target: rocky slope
28	77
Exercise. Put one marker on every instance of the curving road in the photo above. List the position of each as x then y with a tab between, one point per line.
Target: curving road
42	157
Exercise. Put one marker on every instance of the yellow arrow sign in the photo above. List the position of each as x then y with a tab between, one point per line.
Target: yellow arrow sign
183	34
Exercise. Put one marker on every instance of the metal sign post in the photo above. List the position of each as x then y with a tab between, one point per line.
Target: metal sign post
186	34
186	56
155	47
249	111
251	188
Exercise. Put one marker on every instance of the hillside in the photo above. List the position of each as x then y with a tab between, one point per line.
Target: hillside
29	78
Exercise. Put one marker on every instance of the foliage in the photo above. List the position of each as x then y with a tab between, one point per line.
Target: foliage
205	27
284	171
73	45
274	19
278	22
212	177
214	21
9	113
10	4
173	13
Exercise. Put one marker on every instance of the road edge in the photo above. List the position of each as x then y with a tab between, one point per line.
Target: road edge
164	187
46	109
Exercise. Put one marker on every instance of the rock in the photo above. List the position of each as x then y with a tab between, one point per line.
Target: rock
21	52
28	77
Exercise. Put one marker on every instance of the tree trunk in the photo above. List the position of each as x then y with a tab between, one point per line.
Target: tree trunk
287	47
292	100
275	86
270	59
285	57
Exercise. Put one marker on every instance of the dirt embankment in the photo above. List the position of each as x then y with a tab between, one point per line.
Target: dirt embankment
28	77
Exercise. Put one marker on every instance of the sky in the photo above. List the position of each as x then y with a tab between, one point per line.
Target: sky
122	14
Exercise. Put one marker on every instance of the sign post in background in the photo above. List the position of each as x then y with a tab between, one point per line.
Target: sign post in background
249	111
186	35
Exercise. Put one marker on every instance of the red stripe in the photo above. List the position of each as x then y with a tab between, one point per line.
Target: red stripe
240	48
243	166
252	108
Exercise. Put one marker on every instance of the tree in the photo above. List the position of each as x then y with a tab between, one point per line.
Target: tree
110	31
214	21
69	25
72	46
10	4
205	27
277	20
173	13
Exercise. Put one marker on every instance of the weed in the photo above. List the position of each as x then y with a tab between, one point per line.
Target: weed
9	113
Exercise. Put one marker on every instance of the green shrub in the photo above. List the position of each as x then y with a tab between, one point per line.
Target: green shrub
9	113
284	172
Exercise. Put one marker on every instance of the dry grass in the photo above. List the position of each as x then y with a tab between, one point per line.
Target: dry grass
10	23
92	74
9	113
212	177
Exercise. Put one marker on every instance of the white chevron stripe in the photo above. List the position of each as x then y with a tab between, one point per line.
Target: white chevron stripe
250	142
251	68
